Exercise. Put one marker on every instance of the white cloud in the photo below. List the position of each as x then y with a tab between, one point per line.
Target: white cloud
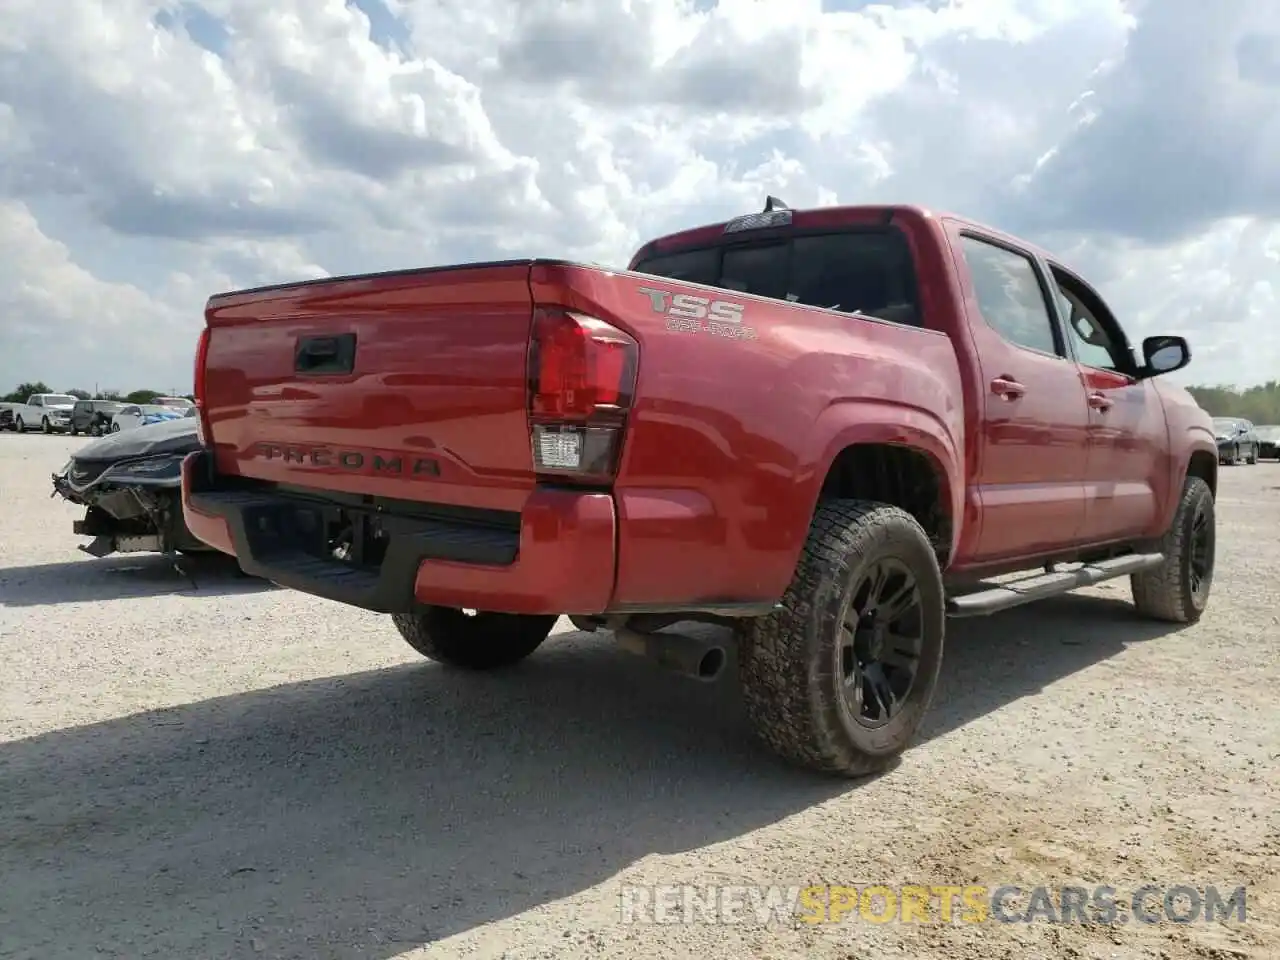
155	151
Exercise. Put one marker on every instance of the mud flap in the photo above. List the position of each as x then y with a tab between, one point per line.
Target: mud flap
101	546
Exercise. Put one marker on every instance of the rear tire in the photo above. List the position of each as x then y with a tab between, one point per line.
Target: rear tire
816	674
485	641
1177	591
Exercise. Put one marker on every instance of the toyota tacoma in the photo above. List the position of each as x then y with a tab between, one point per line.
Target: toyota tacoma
829	429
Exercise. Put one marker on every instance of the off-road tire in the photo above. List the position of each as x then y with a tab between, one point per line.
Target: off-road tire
1165	592
787	660
19	426
485	641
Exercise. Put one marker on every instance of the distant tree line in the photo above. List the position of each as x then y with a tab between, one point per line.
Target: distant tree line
24	390
1260	404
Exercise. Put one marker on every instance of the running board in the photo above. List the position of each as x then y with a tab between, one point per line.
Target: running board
1018	592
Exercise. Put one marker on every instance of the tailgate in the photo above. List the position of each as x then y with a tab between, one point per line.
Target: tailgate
411	385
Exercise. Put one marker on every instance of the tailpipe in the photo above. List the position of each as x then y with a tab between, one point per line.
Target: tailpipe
702	660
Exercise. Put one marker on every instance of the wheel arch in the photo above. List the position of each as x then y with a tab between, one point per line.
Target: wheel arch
1204	464
905	456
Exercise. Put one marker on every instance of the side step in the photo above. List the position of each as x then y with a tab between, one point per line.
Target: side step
1018	592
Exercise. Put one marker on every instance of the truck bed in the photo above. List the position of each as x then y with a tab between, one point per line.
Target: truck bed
409	402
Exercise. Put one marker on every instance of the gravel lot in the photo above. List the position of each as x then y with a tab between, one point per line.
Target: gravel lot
233	770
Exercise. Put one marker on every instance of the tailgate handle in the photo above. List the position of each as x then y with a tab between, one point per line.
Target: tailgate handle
325	355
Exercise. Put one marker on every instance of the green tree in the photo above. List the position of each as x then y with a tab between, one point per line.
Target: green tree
81	394
1260	404
142	396
24	390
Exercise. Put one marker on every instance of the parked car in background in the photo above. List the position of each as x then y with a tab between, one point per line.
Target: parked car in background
1237	440
1268	441
129	484
46	412
180	403
94	416
136	415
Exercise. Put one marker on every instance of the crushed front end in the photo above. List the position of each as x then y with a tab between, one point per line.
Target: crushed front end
131	491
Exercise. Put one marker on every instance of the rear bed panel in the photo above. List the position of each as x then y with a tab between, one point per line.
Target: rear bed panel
436	397
709	511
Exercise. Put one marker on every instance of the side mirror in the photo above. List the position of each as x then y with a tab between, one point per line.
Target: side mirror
1165	354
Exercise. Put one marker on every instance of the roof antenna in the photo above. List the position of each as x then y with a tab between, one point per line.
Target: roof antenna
772	203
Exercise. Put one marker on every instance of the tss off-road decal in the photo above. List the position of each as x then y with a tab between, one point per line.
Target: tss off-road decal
687	313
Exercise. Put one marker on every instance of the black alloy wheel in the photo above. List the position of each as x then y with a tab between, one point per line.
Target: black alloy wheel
881	640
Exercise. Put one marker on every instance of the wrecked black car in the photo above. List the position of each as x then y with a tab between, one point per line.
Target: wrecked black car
131	484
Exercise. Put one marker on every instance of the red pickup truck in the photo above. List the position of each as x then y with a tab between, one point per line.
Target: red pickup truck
828	428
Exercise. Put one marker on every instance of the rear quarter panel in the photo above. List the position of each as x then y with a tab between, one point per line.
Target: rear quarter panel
734	429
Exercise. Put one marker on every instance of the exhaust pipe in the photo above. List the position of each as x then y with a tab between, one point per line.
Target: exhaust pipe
701	660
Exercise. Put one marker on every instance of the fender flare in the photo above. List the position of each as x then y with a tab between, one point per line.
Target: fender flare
867	421
1199	440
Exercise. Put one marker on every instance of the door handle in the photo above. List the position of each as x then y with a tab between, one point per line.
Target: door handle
1007	387
1100	402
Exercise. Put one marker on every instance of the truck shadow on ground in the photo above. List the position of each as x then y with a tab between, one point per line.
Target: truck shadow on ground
361	815
125	577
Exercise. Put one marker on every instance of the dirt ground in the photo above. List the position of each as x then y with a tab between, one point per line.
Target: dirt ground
234	770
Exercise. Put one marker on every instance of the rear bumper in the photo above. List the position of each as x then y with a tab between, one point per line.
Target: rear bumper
560	560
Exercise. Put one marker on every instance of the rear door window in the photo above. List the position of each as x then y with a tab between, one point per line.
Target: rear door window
1010	296
863	271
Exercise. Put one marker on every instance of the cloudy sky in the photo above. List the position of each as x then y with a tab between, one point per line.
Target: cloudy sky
152	153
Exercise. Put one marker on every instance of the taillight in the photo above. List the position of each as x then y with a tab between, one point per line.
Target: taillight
198	386
582	378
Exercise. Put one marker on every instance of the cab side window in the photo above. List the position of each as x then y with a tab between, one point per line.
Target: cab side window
1095	338
1010	296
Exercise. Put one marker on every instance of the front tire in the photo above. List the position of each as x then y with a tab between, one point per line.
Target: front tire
485	641
1177	591
840	678
19	425
44	425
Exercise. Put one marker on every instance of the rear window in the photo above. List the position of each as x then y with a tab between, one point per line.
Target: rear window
864	271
